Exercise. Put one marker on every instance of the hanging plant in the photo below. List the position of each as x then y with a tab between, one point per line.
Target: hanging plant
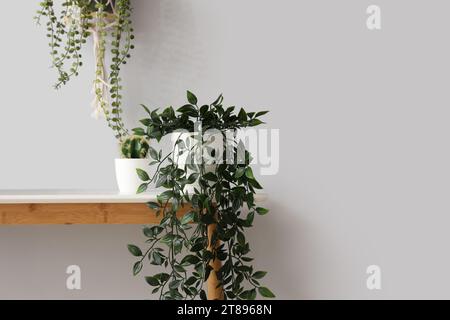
209	239
67	31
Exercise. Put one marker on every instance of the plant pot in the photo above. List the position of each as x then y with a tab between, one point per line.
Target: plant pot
182	159
126	175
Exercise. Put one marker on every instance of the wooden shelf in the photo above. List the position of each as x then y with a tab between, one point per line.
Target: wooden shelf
47	207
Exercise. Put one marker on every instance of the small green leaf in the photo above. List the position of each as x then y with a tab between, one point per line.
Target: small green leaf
190	259
239	173
262	211
152	281
210	176
207	272
157	258
139	131
188	217
218	101
255	184
242	115
168	239
161	181
143	175
255	122
148	232
203	110
193	177
174	284
179	268
134	250
248	294
241	238
190	281
155	117
166	195
250	218
178	246
153	153
197	247
249	173
261	113
153	205
146	109
151	232
162	277
244	268
146	122
259	274
191	98
137	267
155	290
142	188
189	110
266	292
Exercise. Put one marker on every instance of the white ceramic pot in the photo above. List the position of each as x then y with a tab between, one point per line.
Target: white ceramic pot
126	175
182	159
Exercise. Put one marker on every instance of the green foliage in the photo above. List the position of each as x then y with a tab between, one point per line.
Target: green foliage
135	147
214	116
134	250
224	197
68	31
121	47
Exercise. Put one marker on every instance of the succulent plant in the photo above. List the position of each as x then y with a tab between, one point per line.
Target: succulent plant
135	147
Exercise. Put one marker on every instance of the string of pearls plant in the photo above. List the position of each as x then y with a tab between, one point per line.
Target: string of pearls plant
68	31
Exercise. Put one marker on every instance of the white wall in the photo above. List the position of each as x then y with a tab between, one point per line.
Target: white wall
364	175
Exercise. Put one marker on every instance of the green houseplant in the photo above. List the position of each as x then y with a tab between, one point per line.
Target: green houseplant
209	239
134	159
68	31
108	23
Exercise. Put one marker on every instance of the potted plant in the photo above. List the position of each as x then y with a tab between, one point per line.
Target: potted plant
68	31
208	242
133	164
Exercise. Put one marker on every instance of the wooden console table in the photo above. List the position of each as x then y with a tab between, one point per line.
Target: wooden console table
75	207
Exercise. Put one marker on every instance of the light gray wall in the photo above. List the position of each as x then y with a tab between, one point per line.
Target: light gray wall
364	176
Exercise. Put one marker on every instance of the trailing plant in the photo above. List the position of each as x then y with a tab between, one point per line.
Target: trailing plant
68	31
135	147
217	196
